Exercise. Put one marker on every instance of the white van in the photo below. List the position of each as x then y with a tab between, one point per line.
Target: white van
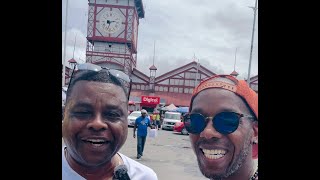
170	119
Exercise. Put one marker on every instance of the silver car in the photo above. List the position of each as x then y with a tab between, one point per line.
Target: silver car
132	118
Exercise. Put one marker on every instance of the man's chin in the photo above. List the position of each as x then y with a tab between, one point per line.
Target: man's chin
212	173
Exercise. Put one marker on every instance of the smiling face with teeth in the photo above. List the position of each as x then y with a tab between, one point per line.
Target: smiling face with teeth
218	155
95	123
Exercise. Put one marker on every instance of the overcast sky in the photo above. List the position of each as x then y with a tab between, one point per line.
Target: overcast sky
211	30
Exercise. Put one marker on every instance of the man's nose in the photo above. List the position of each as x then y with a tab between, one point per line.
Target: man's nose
210	132
97	123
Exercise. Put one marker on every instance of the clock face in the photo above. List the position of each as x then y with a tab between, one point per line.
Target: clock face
110	21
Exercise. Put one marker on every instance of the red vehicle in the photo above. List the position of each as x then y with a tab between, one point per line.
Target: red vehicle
179	127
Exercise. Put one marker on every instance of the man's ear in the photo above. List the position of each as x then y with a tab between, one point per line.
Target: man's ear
254	140
255	132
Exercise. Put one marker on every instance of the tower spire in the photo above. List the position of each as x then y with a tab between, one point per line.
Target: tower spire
234	72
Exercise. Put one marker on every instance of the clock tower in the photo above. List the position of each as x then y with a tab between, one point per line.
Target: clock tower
112	33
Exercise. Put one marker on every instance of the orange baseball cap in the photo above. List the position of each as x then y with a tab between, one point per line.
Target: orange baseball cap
240	88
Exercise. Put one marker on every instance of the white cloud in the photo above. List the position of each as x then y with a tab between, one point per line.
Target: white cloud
210	29
75	45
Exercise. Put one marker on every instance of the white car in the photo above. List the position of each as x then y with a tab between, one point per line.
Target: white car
132	118
170	119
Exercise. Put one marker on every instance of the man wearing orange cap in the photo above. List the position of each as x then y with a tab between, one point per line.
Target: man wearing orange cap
223	128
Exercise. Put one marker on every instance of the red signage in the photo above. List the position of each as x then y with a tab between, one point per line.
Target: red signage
150	100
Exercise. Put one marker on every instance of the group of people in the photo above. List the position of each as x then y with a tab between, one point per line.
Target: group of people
156	120
222	123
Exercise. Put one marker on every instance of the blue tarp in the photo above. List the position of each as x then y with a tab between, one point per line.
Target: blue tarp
182	109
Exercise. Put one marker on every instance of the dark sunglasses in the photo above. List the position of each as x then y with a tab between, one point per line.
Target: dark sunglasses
223	122
116	73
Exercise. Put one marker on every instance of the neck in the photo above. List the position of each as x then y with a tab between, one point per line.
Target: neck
104	171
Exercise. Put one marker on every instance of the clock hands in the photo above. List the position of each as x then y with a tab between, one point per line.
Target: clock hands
108	25
109	22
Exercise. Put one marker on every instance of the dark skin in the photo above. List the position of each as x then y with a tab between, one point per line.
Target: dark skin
237	163
135	125
95	128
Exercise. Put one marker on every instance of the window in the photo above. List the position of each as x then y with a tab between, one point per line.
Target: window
165	89
171	89
187	82
191	83
176	90
192	75
197	82
198	76
176	82
157	88
165	82
135	114
172	116
187	75
171	81
180	90
181	82
160	88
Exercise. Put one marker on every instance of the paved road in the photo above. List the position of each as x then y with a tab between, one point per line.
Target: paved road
169	154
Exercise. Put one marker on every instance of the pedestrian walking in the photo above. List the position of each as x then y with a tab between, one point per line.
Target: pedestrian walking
158	125
142	123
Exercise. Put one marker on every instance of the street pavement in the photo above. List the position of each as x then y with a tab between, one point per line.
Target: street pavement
169	154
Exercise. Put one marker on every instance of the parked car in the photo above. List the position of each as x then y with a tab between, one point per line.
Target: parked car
170	119
179	127
132	118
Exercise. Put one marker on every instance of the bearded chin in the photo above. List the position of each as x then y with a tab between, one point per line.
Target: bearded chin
235	165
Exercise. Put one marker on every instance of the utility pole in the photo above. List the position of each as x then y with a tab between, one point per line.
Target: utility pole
64	53
154	51
74	45
254	22
235	60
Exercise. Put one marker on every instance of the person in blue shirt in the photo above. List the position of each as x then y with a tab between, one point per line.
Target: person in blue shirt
142	122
